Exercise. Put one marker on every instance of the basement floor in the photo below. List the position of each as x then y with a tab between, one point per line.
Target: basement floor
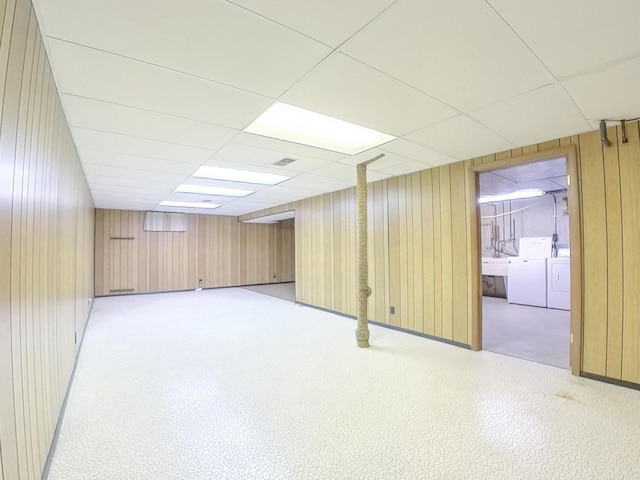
232	384
531	333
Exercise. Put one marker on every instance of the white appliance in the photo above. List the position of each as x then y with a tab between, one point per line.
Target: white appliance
527	273
559	280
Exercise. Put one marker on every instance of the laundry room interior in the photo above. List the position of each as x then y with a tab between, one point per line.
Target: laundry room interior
524	234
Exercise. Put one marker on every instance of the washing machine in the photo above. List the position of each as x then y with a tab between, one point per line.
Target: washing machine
559	281
527	273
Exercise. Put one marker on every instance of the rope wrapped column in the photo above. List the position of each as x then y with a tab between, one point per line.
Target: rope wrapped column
363	290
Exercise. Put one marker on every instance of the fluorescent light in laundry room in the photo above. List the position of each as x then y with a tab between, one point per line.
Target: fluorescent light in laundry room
517	195
169	203
244	176
295	124
220	191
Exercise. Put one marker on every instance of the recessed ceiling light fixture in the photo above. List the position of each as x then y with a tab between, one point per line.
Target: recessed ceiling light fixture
517	195
168	203
298	125
206	190
234	175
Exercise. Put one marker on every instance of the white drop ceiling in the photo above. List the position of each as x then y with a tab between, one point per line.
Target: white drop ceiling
155	89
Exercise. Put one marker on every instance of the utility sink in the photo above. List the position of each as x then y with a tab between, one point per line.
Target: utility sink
495	267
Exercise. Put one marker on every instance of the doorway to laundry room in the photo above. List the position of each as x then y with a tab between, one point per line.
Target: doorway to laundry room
525	240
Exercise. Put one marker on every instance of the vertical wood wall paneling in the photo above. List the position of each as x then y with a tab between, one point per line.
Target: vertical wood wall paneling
417	281
217	249
614	257
46	240
446	249
595	254
630	179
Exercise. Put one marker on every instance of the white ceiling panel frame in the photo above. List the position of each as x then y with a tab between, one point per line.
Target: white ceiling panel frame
609	93
139	123
416	152
330	21
461	53
201	37
96	74
134	162
131	174
237	153
461	138
347	89
534	116
574	36
96	140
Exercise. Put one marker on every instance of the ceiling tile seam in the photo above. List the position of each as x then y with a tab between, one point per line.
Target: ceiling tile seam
331	53
413	87
143	138
182	162
130	179
272	20
601	68
587	124
381	147
145	170
498	102
492	130
163	67
95	99
517	35
443	121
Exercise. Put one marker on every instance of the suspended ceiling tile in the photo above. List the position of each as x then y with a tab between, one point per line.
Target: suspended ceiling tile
404	168
535	171
561	182
413	151
207	182
347	89
284	146
209	39
492	182
572	36
129	183
130	174
362	156
337	172
315	185
534	117
135	162
329	21
136	123
94	74
190	197
234	152
461	138
106	142
199	211
609	93
460	52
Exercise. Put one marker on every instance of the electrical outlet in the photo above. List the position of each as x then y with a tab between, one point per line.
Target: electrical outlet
392	310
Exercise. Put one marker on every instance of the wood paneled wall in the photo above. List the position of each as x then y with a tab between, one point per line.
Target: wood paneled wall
420	241
46	247
218	250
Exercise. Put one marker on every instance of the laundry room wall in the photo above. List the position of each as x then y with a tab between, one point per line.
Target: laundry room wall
533	218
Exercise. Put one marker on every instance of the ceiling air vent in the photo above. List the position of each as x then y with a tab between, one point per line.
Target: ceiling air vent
284	162
207	201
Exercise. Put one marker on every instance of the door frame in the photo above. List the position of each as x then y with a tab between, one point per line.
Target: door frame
575	243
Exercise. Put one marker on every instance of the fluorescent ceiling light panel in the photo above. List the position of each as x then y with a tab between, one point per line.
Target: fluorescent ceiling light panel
517	195
298	125
244	176
168	203
205	190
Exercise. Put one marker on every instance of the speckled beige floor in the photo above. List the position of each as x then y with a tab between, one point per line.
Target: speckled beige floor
231	384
